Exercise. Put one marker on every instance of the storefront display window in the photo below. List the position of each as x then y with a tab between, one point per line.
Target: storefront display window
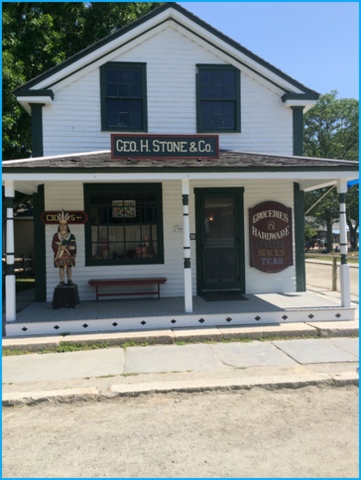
125	224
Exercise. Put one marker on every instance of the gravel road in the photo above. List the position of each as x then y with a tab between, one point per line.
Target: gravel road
319	275
309	432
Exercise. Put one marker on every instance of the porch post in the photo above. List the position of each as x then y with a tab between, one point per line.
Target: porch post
344	267
10	284
188	299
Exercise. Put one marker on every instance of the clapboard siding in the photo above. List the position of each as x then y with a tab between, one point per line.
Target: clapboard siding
72	122
256	192
261	282
70	197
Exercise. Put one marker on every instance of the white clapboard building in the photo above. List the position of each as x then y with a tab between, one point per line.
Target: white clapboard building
177	154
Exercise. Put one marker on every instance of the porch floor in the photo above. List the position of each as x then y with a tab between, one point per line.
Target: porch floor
168	312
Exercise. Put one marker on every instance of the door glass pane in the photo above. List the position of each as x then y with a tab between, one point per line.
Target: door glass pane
219	222
220	269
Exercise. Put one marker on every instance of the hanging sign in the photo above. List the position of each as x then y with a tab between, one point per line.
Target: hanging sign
75	217
164	146
270	227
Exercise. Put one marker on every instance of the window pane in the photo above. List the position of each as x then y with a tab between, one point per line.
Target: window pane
136	113
228	121
112	75
206	92
123	75
135	76
112	90
206	122
228	108
217	92
229	78
229	93
135	90
206	78
217	121
207	107
217	78
123	90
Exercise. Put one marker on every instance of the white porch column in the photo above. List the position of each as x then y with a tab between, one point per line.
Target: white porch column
10	283
344	267
188	298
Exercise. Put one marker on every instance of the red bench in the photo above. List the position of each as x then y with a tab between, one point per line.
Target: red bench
104	282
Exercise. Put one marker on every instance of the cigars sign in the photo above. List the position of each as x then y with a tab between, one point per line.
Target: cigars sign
270	226
51	217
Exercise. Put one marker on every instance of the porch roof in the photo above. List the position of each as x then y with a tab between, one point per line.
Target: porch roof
309	173
228	161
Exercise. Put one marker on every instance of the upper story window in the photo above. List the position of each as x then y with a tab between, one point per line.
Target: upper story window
218	98
123	97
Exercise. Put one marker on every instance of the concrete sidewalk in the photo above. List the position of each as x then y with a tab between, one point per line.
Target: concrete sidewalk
278	356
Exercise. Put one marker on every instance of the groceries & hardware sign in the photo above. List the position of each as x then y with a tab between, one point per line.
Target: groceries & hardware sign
164	146
270	226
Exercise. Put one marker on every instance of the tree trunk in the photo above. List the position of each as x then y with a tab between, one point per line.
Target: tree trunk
329	237
353	235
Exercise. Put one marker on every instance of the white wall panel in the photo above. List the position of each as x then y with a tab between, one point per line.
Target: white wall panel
70	197
72	122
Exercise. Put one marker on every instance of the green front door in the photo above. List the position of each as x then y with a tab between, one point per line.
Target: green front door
220	242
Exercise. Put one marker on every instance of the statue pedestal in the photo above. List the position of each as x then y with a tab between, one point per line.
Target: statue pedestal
66	296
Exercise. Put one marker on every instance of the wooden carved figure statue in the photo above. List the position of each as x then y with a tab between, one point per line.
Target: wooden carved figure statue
64	248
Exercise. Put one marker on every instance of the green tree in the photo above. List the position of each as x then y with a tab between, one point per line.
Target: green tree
309	232
39	35
331	131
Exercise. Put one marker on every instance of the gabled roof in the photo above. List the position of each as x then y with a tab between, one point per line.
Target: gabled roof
42	84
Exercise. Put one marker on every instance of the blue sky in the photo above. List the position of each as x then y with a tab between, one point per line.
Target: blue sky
316	43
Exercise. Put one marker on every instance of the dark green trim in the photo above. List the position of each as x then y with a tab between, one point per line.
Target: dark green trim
219	68
123	66
37	129
35	93
342	198
149	16
10	269
187	263
299	208
9	202
90	188
238	192
297	117
39	246
140	170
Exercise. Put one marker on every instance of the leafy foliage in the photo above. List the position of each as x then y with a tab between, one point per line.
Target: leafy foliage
38	36
331	131
309	232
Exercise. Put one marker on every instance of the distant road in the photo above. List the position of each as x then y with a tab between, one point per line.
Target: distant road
319	274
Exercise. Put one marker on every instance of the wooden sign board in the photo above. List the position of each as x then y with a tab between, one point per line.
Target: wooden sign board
270	227
147	146
75	217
